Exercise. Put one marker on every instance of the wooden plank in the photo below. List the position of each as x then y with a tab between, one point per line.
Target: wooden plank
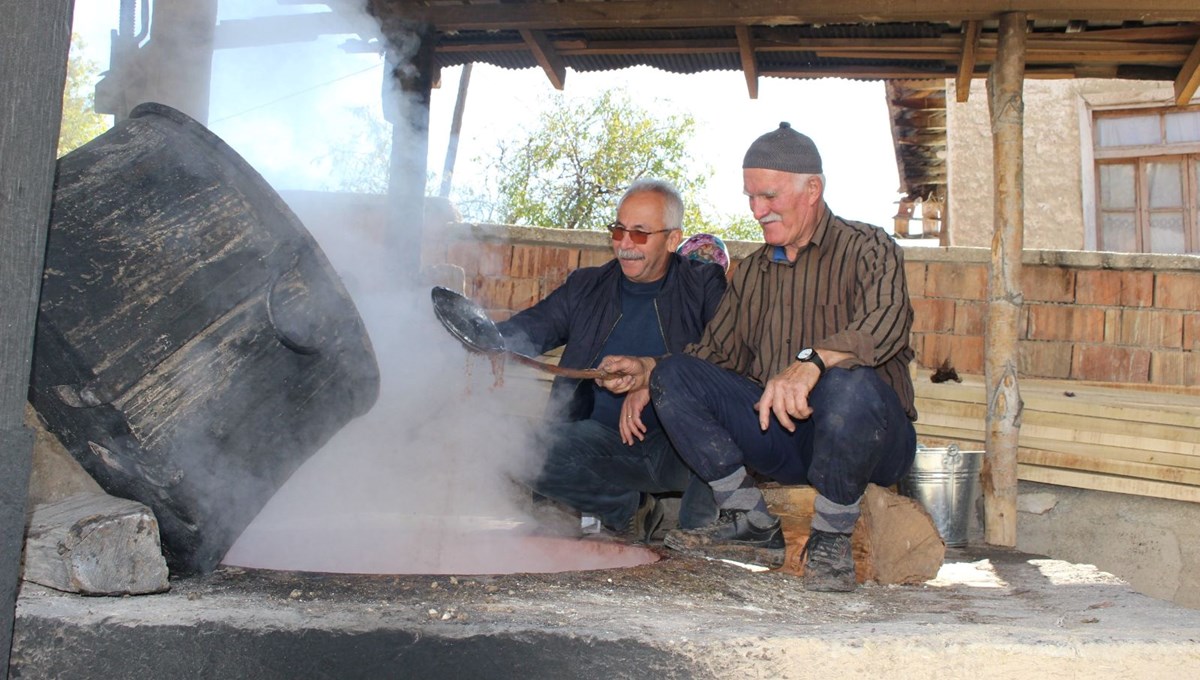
1178	436
749	63
1189	77
546	56
1099	482
34	42
1083	463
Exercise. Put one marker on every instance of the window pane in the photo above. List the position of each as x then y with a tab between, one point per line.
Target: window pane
1116	187
1116	232
1183	127
1166	233
1166	184
1128	130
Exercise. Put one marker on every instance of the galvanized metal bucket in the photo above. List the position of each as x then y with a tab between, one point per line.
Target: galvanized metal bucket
946	481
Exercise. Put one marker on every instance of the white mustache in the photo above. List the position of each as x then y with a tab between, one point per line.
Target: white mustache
630	254
773	217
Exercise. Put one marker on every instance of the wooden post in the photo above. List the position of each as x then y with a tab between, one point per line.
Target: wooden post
1007	109
33	70
408	84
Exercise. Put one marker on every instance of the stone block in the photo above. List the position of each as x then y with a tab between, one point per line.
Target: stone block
970	318
914	275
895	540
1150	328
961	281
95	544
933	315
1065	322
1044	359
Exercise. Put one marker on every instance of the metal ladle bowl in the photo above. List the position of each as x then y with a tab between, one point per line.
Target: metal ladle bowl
472	326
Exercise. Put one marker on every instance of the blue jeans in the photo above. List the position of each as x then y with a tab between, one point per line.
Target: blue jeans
858	432
588	468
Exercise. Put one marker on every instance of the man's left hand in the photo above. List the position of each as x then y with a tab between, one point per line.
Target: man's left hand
631	425
786	395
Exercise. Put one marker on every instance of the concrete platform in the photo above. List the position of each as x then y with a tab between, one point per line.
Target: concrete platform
991	614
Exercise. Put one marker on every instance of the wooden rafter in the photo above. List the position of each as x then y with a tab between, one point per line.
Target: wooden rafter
749	63
1189	77
697	13
966	62
547	56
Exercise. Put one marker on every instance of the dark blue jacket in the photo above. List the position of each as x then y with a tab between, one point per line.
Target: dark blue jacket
585	309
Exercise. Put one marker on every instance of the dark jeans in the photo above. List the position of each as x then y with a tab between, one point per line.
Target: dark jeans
588	468
858	432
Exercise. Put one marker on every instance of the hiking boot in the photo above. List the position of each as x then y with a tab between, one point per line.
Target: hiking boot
828	562
645	521
732	537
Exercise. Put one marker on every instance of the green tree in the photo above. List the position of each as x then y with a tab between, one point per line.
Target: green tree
572	168
80	122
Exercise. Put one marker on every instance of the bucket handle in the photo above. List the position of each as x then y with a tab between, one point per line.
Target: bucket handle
951	457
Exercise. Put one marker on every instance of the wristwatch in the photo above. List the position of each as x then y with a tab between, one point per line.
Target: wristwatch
810	355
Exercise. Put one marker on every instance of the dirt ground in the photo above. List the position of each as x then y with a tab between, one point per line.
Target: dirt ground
991	613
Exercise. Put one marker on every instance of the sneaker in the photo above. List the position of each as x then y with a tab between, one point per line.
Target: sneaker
732	537
828	562
645	521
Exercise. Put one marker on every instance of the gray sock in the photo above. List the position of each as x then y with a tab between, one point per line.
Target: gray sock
834	517
738	492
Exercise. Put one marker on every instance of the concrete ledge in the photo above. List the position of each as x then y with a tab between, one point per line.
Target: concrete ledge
1005	614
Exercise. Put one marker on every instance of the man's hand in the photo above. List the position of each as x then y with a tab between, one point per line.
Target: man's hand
631	424
786	395
629	373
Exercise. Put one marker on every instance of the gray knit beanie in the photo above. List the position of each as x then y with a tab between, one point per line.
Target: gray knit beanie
786	150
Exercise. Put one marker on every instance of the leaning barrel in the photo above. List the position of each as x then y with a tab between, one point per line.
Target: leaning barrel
194	346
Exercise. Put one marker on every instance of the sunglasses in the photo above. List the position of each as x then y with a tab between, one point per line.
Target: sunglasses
619	231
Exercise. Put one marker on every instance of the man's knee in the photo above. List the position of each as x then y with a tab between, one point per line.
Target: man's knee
667	374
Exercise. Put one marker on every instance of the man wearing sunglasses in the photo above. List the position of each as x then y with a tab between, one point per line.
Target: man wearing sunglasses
801	376
606	454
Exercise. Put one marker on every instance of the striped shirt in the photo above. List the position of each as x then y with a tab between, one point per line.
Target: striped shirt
846	292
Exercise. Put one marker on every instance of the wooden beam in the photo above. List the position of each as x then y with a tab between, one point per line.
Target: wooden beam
1189	77
33	70
1007	106
966	63
701	13
546	56
749	63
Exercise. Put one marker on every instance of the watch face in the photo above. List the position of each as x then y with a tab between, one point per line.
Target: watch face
805	354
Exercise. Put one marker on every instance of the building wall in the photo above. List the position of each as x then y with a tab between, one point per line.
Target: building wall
1087	316
1058	176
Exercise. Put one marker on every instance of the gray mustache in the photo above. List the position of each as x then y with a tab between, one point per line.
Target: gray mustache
630	255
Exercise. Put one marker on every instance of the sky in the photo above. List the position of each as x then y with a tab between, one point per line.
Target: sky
257	92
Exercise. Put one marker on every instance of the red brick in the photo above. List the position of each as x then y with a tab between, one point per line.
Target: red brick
494	259
1110	364
1098	287
1048	284
935	315
525	293
914	274
970	318
1061	322
958	281
1150	328
493	293
1177	291
1044	359
1191	332
1137	289
525	262
1175	368
965	353
593	257
464	254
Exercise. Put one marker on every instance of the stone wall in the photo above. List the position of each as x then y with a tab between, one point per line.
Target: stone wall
1087	316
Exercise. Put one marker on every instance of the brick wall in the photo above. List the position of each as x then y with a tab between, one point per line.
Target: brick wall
1086	316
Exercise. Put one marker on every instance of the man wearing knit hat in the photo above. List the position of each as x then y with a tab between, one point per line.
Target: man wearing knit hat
801	376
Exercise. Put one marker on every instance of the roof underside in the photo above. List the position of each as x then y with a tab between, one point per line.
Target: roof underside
916	46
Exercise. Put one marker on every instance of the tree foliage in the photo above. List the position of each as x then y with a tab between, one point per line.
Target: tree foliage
574	165
80	122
